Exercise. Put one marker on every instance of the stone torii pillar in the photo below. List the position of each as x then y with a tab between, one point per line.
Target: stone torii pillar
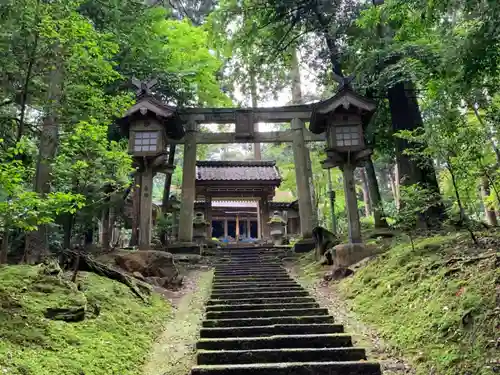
188	185
301	172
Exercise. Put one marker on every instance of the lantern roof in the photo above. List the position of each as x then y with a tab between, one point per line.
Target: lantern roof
345	99
148	106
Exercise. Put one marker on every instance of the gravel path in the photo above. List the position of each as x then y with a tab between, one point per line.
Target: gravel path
174	352
364	336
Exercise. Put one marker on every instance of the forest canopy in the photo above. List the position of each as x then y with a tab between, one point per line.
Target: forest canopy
66	67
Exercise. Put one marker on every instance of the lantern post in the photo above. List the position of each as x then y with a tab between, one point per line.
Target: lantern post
344	118
149	125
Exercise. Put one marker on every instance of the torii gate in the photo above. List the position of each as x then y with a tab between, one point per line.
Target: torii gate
150	113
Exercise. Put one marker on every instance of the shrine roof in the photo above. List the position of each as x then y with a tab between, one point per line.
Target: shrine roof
243	171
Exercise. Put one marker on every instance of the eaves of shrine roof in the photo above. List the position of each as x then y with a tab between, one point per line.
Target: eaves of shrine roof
242	171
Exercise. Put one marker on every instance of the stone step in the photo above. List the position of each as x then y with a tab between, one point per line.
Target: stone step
266	331
256	301
230	279
259	306
265	313
253	322
256	284
248	269
303	368
276	342
256	289
257	294
252	273
216	357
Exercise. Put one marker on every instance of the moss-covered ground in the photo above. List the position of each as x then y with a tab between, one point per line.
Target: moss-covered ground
113	340
437	304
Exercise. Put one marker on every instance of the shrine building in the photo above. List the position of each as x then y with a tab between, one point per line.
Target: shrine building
236	198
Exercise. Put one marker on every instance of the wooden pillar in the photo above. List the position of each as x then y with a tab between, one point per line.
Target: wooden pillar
259	224
225	228
264	209
145	219
301	171
354	226
237	229
136	209
188	185
208	208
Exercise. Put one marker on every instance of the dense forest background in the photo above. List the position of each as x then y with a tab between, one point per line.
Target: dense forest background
66	65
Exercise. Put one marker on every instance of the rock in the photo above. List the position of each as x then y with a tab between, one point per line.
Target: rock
150	264
184	248
50	268
432	247
165	283
345	255
139	276
71	314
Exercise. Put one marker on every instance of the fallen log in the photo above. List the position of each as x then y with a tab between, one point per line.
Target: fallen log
80	261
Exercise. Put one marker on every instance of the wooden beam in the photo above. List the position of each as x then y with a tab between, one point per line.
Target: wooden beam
228	115
260	137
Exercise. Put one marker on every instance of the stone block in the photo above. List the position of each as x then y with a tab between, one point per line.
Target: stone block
304	246
345	255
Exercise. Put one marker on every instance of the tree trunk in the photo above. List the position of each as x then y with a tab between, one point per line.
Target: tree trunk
136	211
253	92
405	114
366	193
105	226
68	228
88	237
4	249
489	211
376	200
37	245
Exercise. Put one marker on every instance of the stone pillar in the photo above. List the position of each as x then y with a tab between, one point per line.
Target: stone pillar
259	224
208	216
264	209
249	228
188	185
175	225
146	209
351	203
225	228
303	188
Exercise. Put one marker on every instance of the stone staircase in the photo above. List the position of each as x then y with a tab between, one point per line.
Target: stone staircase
259	321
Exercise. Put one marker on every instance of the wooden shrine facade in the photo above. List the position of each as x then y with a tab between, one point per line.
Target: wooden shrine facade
236	198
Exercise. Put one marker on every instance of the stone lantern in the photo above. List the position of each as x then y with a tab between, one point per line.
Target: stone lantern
277	228
344	118
149	125
200	228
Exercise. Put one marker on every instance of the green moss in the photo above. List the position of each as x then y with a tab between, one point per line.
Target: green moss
442	320
114	342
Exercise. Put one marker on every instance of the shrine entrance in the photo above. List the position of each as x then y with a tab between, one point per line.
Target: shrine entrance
341	117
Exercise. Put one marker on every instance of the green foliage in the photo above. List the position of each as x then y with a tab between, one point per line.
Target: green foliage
415	201
113	342
438	313
24	209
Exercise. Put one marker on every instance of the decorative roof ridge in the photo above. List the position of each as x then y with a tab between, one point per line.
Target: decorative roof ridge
236	163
